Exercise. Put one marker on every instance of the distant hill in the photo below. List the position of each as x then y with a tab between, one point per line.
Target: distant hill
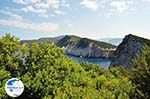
51	39
82	42
130	47
78	46
46	39
114	41
68	39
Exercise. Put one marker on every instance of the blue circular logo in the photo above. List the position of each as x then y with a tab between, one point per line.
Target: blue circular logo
14	87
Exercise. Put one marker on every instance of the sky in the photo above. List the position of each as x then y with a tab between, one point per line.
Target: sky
96	19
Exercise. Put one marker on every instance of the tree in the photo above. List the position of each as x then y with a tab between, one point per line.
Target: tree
9	57
4	76
141	74
47	73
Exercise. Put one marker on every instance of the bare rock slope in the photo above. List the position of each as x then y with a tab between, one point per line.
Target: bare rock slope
130	47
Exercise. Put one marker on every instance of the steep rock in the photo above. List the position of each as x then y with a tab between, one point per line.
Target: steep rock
90	48
130	48
78	46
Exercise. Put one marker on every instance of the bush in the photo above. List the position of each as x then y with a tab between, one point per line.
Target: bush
47	73
141	74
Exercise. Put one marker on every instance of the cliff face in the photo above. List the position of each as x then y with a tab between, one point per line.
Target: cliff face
78	46
130	47
91	51
90	48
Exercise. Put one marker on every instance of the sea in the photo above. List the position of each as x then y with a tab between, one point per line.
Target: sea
103	62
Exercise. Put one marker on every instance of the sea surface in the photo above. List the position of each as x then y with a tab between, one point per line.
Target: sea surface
105	63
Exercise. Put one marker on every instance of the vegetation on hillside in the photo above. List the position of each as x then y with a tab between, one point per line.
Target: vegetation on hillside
63	41
42	40
141	74
68	39
84	42
47	73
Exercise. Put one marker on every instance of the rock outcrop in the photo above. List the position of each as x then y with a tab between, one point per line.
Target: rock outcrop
130	48
77	46
90	48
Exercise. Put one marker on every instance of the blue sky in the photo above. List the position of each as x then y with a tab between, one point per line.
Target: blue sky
32	19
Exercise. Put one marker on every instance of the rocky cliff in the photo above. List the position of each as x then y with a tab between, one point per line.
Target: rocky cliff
77	46
130	47
90	48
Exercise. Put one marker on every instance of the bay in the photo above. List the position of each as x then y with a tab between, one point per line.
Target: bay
103	62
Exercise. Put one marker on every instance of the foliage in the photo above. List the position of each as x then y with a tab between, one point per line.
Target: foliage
4	76
47	73
141	74
68	39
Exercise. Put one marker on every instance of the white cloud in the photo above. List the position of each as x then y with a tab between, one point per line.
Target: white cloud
64	4
19	1
32	9
54	3
32	1
18	17
121	6
42	5
26	2
59	12
40	27
91	4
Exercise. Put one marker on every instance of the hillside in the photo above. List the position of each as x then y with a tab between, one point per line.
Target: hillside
84	47
46	39
78	46
85	41
130	47
68	39
51	39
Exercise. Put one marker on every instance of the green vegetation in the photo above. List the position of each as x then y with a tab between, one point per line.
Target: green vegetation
63	41
42	40
84	42
68	40
47	73
141	74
